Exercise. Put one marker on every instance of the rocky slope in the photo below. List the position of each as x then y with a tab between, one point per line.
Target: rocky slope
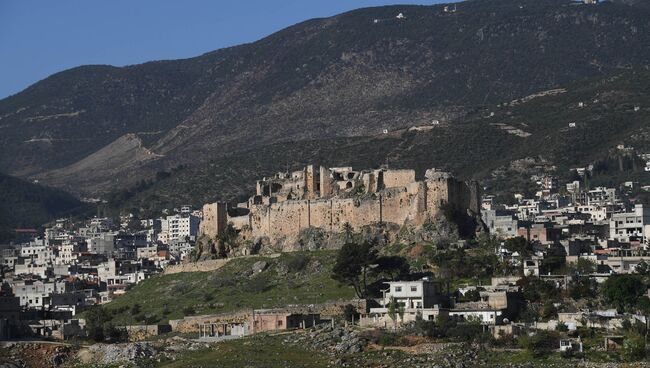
350	75
501	145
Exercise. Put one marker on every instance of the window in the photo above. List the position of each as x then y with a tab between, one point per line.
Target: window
398	289
279	323
414	288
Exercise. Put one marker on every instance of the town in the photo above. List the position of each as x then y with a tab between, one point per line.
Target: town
568	260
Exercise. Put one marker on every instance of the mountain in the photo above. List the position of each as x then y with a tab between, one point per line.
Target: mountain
29	205
93	129
502	145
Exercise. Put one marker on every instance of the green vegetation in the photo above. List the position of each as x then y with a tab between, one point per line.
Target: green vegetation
624	291
233	287
258	351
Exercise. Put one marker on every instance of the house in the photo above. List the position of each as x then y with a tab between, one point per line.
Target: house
630	225
531	267
540	232
486	316
276	320
571	345
413	298
501	222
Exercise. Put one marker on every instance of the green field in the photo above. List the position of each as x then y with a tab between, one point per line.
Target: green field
292	278
259	351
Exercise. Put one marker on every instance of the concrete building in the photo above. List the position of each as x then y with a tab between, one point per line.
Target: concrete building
178	227
627	226
274	320
414	298
502	223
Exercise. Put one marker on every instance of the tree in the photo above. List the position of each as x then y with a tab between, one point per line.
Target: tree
135	224
392	267
583	288
520	245
352	266
541	343
96	317
643	307
623	291
643	268
583	266
537	290
348	231
350	313
392	311
634	348
549	310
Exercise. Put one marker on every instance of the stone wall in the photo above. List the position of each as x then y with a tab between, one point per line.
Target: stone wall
190	324
215	219
410	204
142	332
201	266
397	178
389	196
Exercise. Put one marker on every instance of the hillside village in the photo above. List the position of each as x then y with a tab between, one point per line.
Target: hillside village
438	249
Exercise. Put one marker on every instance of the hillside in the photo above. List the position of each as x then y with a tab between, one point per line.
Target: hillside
29	205
323	80
292	278
491	142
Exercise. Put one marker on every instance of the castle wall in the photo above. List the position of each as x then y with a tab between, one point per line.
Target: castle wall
398	178
325	187
239	222
215	219
310	182
404	201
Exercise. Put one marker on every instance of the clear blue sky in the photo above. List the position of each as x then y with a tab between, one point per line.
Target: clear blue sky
39	38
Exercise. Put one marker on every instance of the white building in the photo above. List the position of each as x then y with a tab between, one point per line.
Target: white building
412	298
178	227
626	225
36	294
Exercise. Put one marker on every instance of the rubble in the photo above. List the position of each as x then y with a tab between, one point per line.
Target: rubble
131	352
111	353
334	340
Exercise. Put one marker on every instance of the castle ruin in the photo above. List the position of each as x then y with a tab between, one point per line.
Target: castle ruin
328	198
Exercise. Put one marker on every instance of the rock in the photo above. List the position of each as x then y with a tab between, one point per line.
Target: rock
259	266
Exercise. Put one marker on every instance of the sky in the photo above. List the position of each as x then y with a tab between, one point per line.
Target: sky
42	37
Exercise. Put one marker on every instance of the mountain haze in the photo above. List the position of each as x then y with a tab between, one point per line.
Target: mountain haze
93	129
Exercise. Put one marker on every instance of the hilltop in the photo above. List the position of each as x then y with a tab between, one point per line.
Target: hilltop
318	83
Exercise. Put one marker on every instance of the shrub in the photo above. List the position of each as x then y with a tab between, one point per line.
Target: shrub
634	348
297	262
541	343
151	319
258	284
188	311
180	288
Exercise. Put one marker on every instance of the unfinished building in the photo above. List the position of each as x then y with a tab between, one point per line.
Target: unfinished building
328	198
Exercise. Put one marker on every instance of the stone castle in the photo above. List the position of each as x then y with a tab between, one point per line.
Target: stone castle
328	198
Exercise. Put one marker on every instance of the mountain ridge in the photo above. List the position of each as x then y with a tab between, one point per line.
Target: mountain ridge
351	75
